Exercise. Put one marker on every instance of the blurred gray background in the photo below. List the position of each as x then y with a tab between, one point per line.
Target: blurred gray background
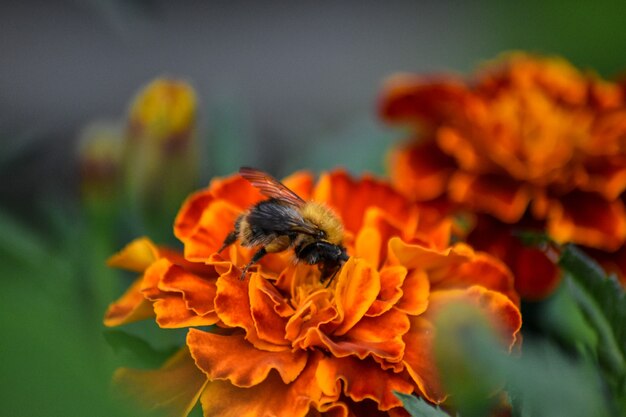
283	85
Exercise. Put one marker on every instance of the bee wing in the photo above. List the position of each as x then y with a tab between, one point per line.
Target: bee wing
270	186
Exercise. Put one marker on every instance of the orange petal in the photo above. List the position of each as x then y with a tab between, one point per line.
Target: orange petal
232	305
300	183
172	390
363	379
203	227
358	286
197	291
420	170
419	355
130	307
588	219
381	335
498	308
303	328
136	256
409	98
351	198
272	397
483	270
459	145
415	291
419	359
419	256
607	176
378	227
171	308
499	196
190	213
367	246
265	300
391	281
234	359
216	222
234	189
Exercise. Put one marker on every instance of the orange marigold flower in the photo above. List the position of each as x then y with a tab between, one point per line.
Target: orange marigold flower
286	344
529	139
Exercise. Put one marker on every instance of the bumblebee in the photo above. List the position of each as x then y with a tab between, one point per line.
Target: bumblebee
286	221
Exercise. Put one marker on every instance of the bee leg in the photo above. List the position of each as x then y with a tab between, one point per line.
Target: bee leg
232	236
329	274
255	258
230	239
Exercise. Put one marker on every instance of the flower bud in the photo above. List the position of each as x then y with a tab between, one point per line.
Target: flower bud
100	155
161	164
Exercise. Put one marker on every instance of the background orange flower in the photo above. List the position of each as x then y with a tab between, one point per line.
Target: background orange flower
529	141
285	343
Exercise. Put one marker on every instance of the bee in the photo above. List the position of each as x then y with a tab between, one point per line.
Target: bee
285	221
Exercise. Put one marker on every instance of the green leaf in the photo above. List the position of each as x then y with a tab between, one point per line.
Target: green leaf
532	238
601	299
417	407
139	352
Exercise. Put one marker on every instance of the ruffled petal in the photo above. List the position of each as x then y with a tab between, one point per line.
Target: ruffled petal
304	326
272	397
232	358
351	198
358	285
419	359
419	355
409	98
415	291
498	308
421	257
206	217
197	291
391	290
421	170
362	379
483	270
172	390
380	337
607	176
367	245
217	221
300	183
232	305
378	227
171	307
136	256
499	196
130	307
587	219
268	309
382	334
